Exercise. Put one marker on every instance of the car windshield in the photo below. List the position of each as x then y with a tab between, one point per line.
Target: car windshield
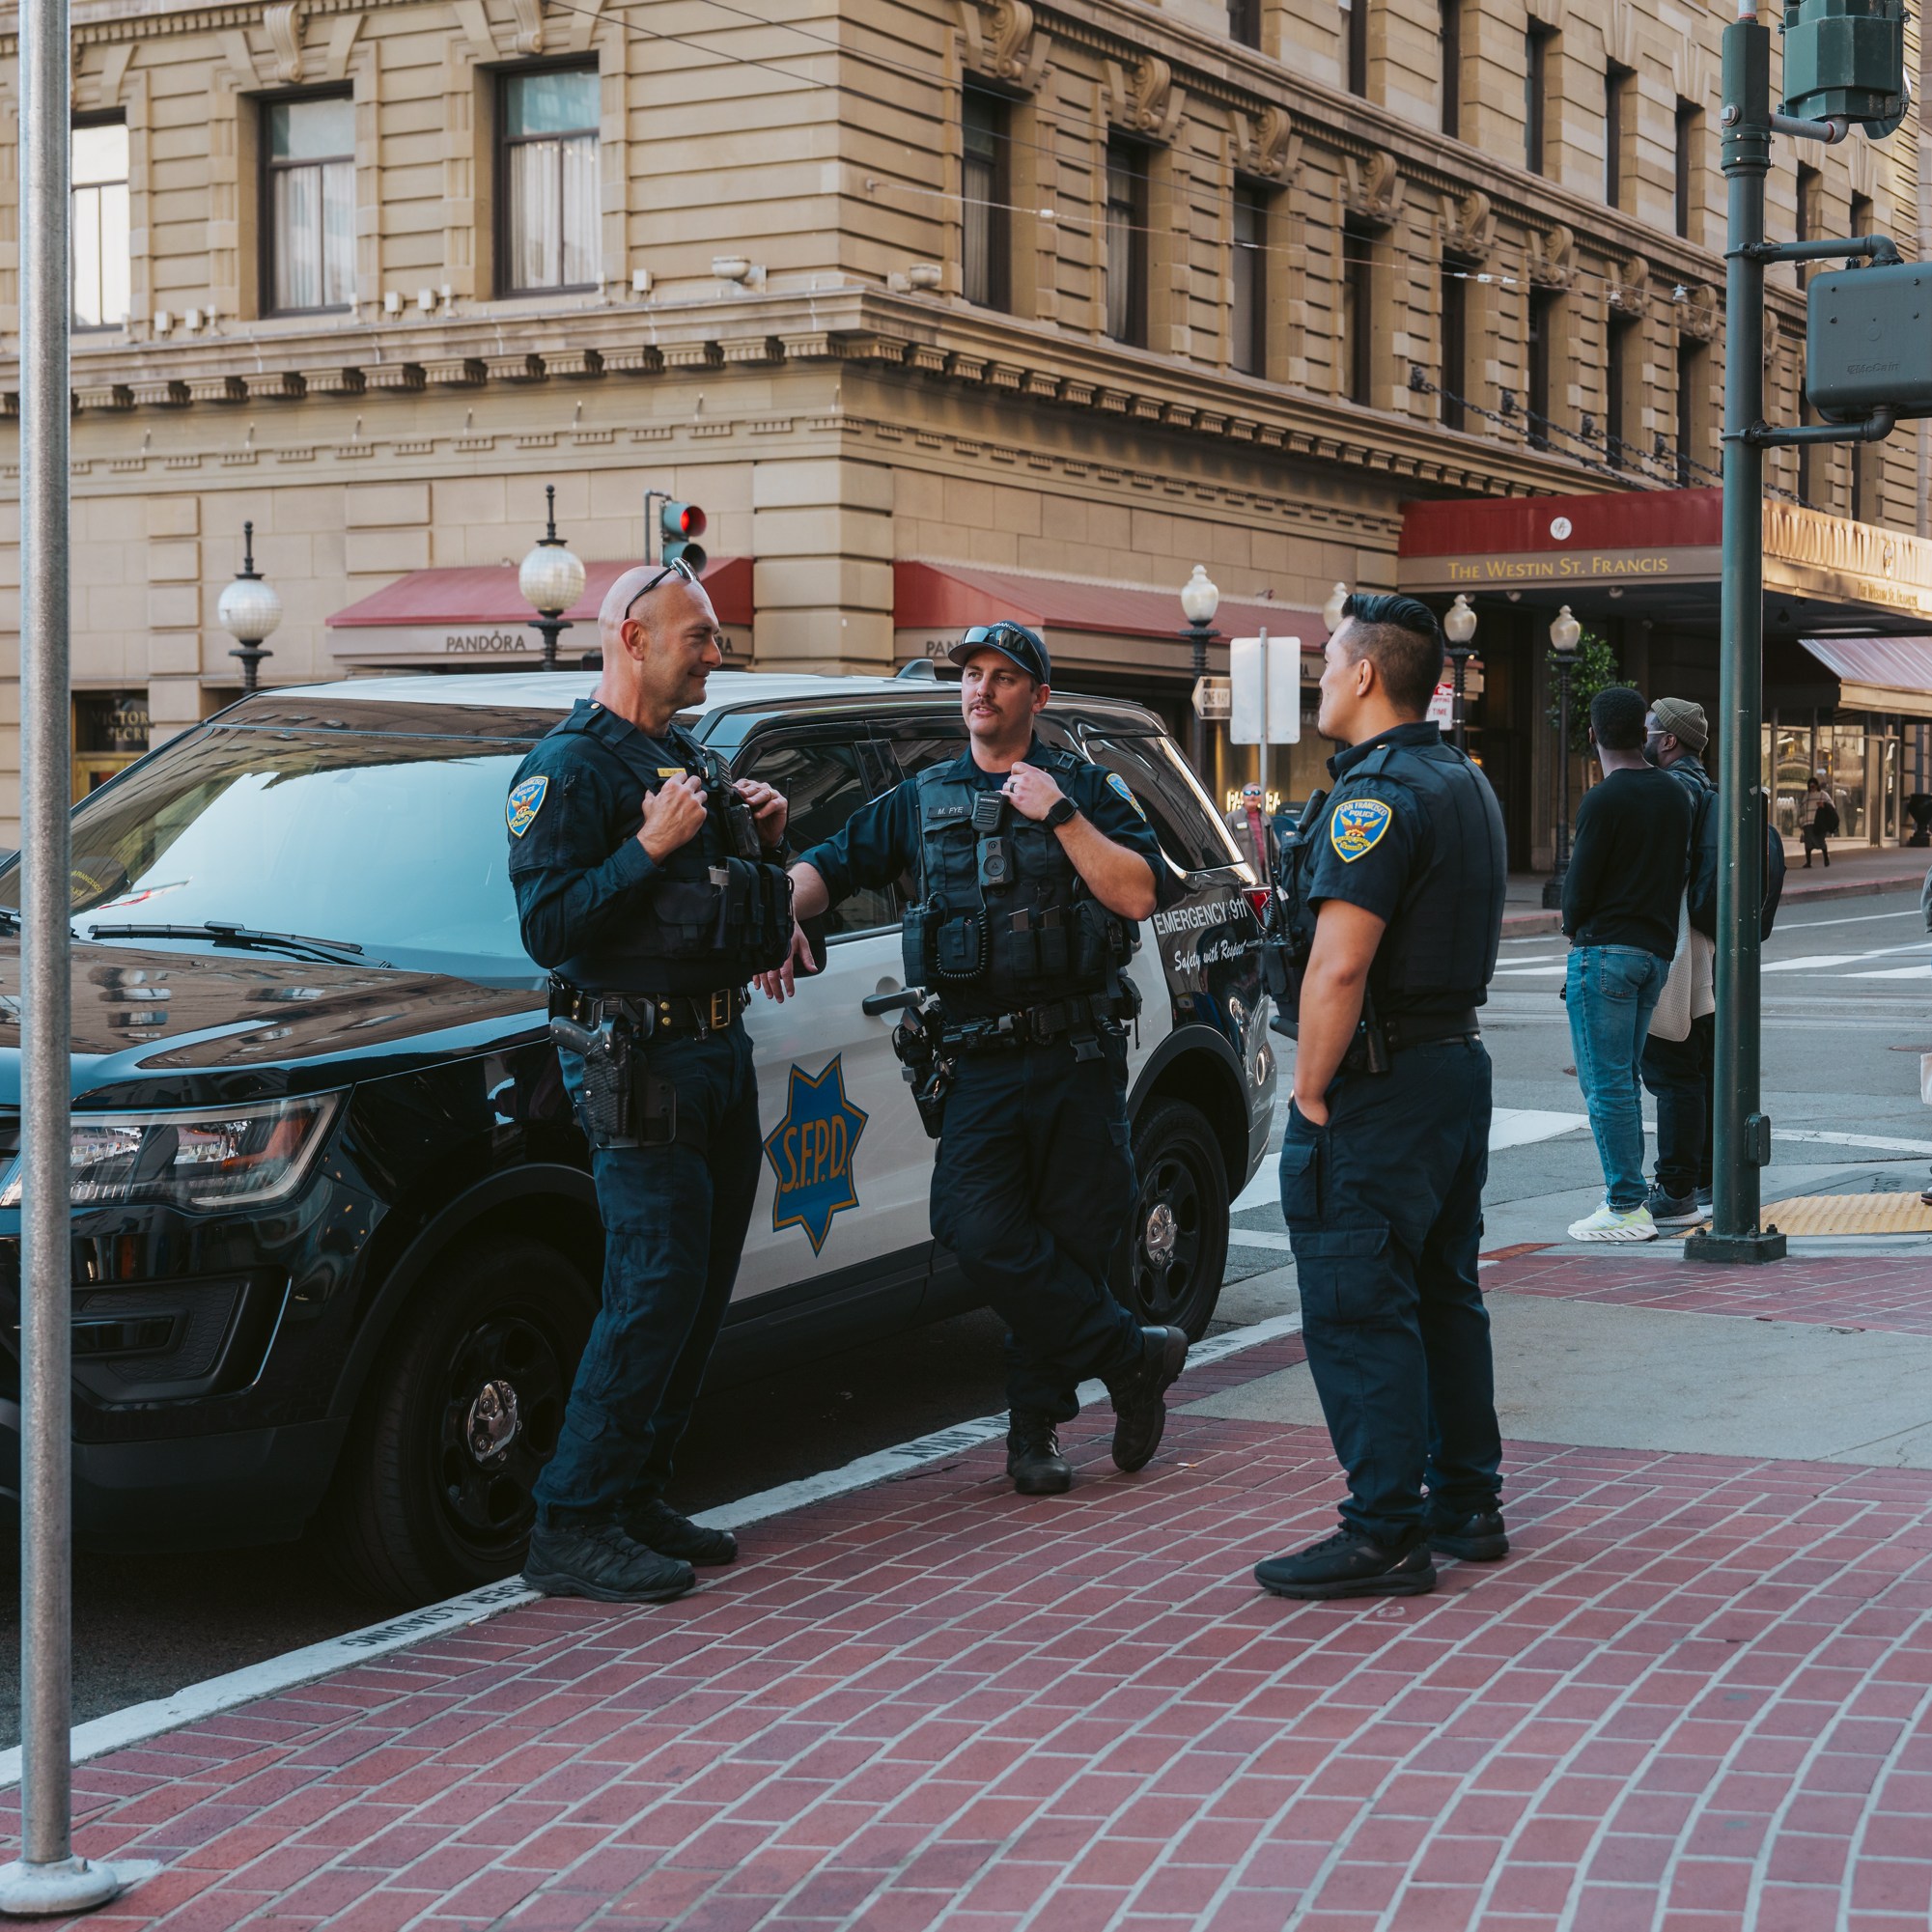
389	842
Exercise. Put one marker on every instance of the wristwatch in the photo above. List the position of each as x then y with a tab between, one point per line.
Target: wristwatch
1059	812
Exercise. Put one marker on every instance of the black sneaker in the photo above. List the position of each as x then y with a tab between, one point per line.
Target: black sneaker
1140	1407
1033	1458
1478	1538
1350	1564
1704	1197
658	1526
602	1562
1669	1209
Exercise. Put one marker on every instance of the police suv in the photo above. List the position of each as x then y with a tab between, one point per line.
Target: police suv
335	1245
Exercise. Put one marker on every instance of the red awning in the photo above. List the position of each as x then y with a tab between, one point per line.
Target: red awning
944	596
485	595
1520	526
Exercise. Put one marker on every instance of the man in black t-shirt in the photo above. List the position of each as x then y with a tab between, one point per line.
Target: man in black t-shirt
1621	897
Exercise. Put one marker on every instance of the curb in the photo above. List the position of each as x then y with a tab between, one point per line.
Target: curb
1524	925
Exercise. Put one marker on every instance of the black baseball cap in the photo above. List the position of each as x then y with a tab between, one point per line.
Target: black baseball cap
1013	641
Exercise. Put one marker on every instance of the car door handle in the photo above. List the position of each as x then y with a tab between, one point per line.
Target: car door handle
876	1004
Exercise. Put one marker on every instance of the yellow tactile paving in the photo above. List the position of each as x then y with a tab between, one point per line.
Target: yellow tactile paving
1850	1213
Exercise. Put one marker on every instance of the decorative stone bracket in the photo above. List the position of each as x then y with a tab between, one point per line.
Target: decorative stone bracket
1372	190
1145	103
1003	43
1552	260
1268	144
1698	312
1468	227
1628	291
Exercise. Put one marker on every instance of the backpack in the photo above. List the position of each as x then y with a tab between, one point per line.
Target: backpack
1702	890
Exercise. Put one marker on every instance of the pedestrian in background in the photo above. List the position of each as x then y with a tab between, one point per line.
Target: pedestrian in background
1817	821
1678	1051
1622	898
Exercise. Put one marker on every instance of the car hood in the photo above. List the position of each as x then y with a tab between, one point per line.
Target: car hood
164	1027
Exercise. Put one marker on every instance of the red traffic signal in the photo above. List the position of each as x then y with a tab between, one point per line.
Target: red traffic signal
679	527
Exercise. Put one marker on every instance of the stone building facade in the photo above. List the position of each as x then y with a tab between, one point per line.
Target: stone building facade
1082	294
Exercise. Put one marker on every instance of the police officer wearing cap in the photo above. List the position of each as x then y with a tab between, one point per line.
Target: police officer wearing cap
1034	868
654	890
1397	883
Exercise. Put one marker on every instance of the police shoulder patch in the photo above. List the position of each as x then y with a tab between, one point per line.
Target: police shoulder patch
524	802
1119	784
1355	827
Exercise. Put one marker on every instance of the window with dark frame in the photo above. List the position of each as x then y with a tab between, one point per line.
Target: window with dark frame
1355	45
1358	318
1618	93
1624	336
1127	242
1450	30
1541	325
1454	383
1689	375
1244	23
1535	93
986	242
97	202
548	194
1248	347
1811	213
1862	213
1690	138
308	201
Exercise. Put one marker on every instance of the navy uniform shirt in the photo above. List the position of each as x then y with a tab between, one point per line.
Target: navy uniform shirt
881	840
574	816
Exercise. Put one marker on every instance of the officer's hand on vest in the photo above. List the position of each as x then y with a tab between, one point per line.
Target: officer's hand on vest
768	808
673	815
1030	792
780	983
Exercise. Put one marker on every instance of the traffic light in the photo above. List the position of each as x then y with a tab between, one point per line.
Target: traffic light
679	527
1846	58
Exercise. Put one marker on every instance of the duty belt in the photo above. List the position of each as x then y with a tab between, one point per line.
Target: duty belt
1037	1025
674	1013
1425	1030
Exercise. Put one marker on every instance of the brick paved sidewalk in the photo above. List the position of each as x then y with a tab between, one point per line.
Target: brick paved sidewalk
1695	1697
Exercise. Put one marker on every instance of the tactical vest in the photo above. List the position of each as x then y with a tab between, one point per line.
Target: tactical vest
1443	938
719	912
1006	921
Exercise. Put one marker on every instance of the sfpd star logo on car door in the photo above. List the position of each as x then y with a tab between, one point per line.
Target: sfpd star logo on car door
811	1152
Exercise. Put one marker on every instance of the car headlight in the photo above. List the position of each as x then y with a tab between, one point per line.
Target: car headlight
200	1157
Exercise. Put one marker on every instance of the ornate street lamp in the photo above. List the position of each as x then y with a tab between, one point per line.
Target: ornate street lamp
1200	598
1459	626
1565	634
549	581
1331	611
249	611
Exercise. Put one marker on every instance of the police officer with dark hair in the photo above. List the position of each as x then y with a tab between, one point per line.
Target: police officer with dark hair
655	889
1397	884
1034	867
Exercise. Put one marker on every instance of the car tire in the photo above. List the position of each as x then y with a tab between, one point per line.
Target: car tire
1177	1236
432	1495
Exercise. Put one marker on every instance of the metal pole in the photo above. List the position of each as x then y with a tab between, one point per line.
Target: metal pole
1742	1133
1458	657
1198	638
1553	887
47	1878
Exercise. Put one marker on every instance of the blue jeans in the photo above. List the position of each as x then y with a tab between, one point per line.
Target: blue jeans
1612	992
674	1222
1383	1206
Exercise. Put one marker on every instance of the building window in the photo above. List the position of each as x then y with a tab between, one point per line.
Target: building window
1452	30
1619	90
1357	316
1862	214
1454	383
1690	379
1624	337
100	224
1249	343
1535	93
1244	21
1811	213
1541	325
549	178
986	247
1127	242
1355	45
1690	141
310	157
110	731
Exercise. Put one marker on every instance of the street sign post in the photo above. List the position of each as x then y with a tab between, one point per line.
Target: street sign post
1265	693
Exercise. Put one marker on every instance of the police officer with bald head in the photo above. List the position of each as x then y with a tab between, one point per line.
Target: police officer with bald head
654	888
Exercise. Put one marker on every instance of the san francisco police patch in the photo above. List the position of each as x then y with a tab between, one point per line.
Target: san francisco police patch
1355	825
1119	784
524	802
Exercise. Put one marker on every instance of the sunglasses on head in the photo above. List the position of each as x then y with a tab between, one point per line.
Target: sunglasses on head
1004	637
676	568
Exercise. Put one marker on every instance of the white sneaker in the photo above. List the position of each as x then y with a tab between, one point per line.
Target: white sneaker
1610	1223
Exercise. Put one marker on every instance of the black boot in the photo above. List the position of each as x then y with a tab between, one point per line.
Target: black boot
1033	1458
658	1526
602	1562
1477	1538
1350	1564
1139	1405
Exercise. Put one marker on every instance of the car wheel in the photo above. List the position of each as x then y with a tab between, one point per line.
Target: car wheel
1177	1238
434	1493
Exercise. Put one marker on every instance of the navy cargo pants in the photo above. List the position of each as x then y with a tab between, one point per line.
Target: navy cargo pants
674	1222
1384	1207
1031	1191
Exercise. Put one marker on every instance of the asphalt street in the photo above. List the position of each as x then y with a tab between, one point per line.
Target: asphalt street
1846	1018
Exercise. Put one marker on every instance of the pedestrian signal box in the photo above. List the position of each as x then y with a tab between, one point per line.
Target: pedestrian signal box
1868	341
679	527
1846	58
